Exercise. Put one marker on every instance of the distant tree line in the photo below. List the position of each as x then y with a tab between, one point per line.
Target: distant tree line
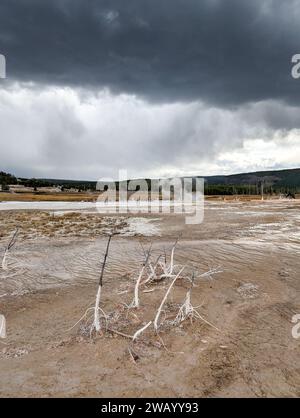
7	179
248	189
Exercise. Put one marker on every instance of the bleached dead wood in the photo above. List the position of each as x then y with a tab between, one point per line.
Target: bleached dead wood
2	326
122	334
164	299
187	310
141	330
162	269
153	275
171	267
150	272
96	323
136	301
132	337
210	273
168	269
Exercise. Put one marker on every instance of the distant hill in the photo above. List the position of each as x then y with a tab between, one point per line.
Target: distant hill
278	178
277	181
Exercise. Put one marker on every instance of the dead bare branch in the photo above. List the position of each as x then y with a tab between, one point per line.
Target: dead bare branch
164	300
136	301
140	331
2	326
187	310
96	323
9	246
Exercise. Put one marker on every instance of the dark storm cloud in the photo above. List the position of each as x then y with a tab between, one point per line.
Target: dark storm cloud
222	52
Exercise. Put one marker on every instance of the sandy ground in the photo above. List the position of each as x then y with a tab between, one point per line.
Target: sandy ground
51	280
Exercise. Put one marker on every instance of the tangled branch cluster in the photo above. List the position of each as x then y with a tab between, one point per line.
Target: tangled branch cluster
151	272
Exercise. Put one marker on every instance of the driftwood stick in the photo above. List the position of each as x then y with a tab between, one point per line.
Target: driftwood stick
187	310
136	301
2	326
96	323
168	268
104	261
131	337
114	331
139	331
153	275
164	299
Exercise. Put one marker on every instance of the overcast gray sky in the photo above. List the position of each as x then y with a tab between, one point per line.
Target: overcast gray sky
160	88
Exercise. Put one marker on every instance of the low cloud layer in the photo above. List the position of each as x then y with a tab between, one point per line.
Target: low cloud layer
63	133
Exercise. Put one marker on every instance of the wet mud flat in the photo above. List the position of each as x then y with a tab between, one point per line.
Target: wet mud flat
52	279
